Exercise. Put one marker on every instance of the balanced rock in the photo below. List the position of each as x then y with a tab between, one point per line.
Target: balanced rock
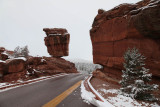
127	26
57	41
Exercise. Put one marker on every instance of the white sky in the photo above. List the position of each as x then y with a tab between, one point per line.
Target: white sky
22	23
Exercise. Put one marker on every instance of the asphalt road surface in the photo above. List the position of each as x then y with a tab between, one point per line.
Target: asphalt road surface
39	94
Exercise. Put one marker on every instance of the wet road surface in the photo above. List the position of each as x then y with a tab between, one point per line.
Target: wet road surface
38	94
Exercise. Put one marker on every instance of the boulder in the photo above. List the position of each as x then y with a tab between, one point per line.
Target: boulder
57	41
50	65
127	26
15	65
2	49
36	61
15	76
3	56
2	68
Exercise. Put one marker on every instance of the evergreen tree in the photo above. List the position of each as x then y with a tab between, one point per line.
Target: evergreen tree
25	51
135	77
21	52
17	52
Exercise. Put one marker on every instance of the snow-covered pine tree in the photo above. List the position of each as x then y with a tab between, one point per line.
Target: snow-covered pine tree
25	51
21	52
17	51
135	77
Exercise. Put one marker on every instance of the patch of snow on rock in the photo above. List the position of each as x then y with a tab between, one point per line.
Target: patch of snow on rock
2	84
2	61
109	91
104	85
23	58
43	60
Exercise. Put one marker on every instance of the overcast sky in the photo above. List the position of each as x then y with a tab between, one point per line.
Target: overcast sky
22	23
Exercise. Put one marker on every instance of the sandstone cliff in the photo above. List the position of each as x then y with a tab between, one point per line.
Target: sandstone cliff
57	41
123	27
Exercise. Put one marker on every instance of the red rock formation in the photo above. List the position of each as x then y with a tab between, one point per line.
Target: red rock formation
3	56
15	69
2	68
57	41
15	65
2	49
123	27
51	65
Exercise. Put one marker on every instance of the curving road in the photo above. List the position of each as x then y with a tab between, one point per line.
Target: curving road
39	94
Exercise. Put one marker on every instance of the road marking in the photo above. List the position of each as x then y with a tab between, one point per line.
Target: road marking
61	97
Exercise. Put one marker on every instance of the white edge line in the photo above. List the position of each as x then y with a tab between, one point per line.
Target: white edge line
97	92
58	75
44	77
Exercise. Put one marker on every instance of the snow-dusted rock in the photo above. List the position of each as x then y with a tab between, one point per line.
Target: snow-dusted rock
127	25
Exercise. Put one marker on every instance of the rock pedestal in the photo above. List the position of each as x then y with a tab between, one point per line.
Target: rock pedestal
127	26
57	41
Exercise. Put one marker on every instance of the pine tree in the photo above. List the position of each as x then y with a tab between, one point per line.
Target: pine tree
21	52
25	51
135	77
17	51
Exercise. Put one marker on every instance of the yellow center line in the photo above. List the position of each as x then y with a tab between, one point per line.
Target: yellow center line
54	102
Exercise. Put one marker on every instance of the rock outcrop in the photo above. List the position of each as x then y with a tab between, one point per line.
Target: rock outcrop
33	67
127	26
15	65
5	54
2	68
57	41
13	69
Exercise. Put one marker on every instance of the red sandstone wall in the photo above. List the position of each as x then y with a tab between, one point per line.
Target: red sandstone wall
127	25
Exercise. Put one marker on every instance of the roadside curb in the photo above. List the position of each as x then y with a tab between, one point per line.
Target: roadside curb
32	81
90	88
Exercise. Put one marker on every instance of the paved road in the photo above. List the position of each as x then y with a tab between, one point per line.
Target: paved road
38	94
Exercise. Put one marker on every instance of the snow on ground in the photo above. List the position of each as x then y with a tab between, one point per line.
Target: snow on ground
105	85
109	91
123	101
89	97
2	84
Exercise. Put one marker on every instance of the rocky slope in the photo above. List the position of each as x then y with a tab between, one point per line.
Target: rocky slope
57	41
123	27
13	69
33	67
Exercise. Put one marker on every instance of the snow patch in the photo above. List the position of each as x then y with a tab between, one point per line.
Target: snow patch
2	84
23	58
105	85
123	101
43	60
2	61
113	91
89	97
